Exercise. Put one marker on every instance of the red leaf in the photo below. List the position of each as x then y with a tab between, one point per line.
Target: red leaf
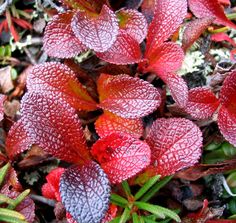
126	96
175	144
133	23
148	7
51	188
109	123
178	88
111	214
97	32
202	103
166	58
228	92
59	39
219	37
125	50
14	33
193	31
224	2
59	79
17	140
85	192
210	8
2	99
169	14
227	124
54	126
121	156
91	5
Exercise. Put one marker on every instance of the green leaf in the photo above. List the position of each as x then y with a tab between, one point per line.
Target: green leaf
231	179
19	199
212	146
11	216
126	188
148	220
3	172
115	220
146	186
232	206
117	199
232	216
155	188
125	216
5	199
135	218
161	212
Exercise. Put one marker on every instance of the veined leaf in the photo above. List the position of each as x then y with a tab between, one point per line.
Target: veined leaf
60	80
210	8
85	192
168	16
59	40
125	50
121	156
54	126
109	123
96	31
175	143
202	103
193	31
133	23
126	96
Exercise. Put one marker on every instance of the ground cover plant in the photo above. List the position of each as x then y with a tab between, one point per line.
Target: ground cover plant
113	110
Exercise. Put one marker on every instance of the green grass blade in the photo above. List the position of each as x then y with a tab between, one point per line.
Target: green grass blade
146	187
3	172
155	188
126	188
125	216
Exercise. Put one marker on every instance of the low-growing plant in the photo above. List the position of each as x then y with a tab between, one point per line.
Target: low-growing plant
15	207
49	109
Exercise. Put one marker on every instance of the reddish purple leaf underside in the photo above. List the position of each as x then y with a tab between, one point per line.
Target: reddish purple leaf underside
85	192
202	103
54	126
96	31
17	140
121	156
193	31
59	40
126	96
175	144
